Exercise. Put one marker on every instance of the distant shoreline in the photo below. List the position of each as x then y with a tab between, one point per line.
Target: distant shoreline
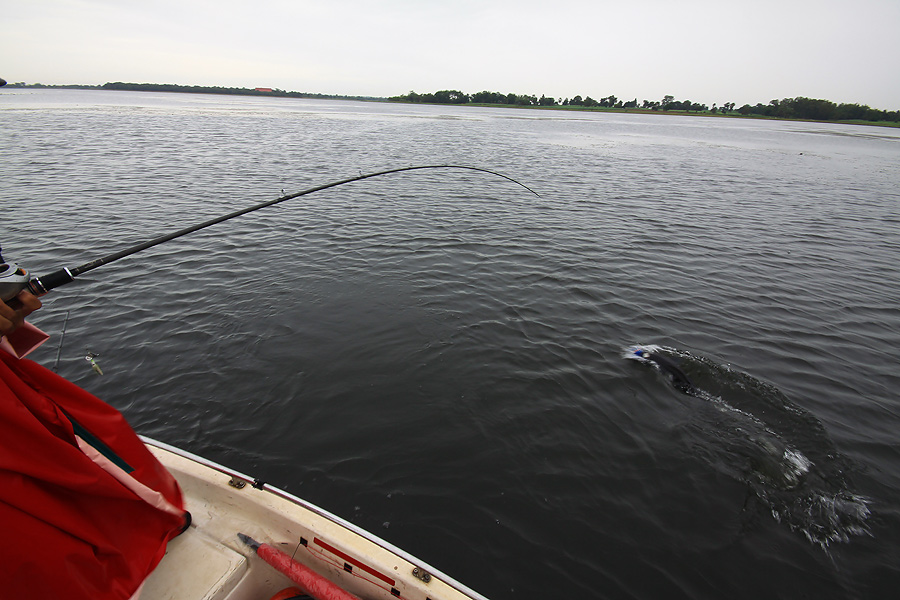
277	93
676	113
192	89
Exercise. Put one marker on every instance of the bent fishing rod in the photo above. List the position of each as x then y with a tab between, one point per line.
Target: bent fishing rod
14	279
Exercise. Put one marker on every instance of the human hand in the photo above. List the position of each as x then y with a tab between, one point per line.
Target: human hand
12	318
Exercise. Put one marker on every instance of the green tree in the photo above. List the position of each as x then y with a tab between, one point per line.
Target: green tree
450	97
545	101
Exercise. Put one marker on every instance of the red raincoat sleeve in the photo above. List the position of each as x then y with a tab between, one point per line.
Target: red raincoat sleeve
71	528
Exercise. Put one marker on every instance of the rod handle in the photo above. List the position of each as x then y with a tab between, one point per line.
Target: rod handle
36	285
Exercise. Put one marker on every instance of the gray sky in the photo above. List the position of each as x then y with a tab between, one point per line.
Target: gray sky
705	51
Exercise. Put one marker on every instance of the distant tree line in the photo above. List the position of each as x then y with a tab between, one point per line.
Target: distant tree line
197	89
819	110
789	108
74	86
457	97
203	89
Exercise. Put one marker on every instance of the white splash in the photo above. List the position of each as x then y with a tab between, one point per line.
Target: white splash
632	352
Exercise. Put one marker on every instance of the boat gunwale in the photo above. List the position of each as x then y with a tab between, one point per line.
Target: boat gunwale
385	545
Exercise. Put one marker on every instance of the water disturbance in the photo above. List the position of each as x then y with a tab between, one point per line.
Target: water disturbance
770	453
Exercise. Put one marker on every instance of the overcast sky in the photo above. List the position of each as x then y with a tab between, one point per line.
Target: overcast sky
706	51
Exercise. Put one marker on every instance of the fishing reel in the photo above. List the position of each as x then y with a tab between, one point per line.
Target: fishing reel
13	279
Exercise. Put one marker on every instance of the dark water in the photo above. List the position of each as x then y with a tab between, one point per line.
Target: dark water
439	356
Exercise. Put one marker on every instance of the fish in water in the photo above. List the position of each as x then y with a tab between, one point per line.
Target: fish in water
749	430
665	364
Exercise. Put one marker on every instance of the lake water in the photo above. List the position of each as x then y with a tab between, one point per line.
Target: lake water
439	356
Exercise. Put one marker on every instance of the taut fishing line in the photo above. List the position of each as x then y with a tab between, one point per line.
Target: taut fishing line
14	279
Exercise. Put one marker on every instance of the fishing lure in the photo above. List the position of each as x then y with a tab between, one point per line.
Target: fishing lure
90	358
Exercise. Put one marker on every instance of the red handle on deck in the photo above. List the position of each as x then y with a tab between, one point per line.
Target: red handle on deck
311	582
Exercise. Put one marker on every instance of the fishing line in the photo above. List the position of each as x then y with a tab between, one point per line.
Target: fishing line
61	338
13	279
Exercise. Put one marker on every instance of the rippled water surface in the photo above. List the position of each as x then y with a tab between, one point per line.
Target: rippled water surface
439	356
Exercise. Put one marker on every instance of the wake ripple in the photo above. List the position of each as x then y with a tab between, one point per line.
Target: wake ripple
755	434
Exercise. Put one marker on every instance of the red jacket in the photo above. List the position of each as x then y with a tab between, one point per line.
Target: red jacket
73	526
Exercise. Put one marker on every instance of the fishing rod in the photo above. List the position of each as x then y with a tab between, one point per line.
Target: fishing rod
14	279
